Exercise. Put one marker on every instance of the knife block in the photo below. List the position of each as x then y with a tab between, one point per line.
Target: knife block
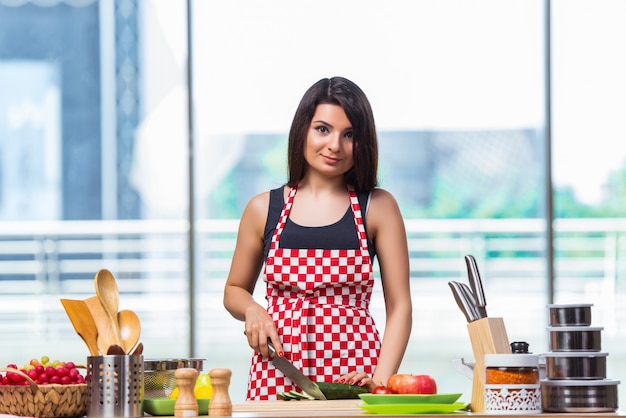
488	336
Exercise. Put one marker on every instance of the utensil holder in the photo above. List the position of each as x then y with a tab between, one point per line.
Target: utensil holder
115	386
488	336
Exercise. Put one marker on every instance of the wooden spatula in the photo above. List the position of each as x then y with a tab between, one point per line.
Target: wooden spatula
83	323
103	324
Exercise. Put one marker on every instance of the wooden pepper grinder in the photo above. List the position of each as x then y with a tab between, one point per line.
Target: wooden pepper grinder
186	404
220	405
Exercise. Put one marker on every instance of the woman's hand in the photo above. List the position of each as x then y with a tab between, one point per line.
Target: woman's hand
260	330
359	379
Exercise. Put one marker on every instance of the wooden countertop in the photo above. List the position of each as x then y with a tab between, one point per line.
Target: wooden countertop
349	408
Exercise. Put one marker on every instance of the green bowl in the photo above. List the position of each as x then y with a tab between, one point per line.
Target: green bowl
165	406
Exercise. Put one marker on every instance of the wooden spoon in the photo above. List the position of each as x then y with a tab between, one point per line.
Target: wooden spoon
115	350
138	350
130	329
83	323
103	324
108	293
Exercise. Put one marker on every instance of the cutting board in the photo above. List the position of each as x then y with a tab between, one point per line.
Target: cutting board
303	405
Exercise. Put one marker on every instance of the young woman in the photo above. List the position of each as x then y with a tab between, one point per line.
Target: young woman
315	240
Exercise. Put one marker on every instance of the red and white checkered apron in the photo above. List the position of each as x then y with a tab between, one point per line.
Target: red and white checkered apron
319	300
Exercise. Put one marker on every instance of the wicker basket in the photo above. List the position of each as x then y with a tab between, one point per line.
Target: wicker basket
52	400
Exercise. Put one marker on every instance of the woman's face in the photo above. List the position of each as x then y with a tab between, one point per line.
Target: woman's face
329	141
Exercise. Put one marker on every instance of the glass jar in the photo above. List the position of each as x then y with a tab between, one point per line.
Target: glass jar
512	383
511	369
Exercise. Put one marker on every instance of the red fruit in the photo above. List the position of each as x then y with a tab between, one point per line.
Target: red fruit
383	390
73	374
414	384
395	381
62	371
55	379
40	369
43	378
69	365
51	371
14	378
65	380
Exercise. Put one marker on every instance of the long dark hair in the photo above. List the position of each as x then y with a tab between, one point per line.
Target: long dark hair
363	176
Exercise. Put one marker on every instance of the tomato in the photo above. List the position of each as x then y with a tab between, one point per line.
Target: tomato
383	390
415	384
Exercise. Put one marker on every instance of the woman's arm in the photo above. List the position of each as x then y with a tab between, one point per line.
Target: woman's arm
389	236
244	272
385	228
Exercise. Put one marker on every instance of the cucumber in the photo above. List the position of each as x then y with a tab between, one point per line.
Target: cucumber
293	395
330	391
283	396
340	390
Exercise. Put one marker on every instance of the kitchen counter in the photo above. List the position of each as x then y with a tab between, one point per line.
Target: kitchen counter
349	408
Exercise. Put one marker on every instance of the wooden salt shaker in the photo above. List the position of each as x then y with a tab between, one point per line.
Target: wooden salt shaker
220	405
186	404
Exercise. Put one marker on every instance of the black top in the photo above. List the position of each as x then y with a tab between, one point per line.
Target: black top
340	235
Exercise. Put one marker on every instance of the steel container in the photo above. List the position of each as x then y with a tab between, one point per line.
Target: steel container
579	396
575	365
575	338
570	315
159	379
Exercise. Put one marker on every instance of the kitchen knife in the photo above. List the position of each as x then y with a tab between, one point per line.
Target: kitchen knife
471	301
295	375
462	301
476	284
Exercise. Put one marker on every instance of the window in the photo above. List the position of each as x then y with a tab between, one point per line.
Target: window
95	167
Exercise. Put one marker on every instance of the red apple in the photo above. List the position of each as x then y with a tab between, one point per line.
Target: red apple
395	381
413	384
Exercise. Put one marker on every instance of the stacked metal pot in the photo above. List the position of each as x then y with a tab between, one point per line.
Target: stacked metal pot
575	367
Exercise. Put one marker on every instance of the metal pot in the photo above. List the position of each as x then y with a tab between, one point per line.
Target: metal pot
159	379
575	338
575	365
579	396
570	315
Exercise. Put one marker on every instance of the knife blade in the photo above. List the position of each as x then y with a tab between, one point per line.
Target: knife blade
461	301
476	284
295	375
471	300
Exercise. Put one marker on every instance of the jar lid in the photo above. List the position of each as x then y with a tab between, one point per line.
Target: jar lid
576	383
511	360
576	354
570	305
574	328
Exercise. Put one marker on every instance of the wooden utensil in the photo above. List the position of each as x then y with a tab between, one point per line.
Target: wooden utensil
138	350
108	293
83	323
130	329
115	350
103	324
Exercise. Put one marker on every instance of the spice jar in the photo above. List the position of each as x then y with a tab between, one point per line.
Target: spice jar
512	383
